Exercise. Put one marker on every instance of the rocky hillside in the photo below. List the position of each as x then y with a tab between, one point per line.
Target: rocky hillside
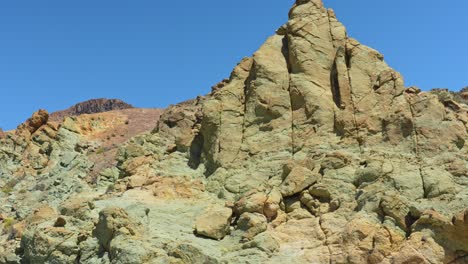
312	151
92	106
445	95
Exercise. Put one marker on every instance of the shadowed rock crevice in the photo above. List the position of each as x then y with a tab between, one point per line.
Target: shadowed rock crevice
335	85
348	56
285	51
416	144
196	150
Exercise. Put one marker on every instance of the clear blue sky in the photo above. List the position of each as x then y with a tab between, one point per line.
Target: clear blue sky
151	53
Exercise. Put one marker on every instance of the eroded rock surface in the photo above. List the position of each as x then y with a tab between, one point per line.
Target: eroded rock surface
312	151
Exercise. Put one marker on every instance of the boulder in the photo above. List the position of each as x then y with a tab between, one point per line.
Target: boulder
214	222
252	224
114	221
297	179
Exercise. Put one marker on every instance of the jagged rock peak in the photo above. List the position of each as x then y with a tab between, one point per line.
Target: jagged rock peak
91	107
312	151
319	121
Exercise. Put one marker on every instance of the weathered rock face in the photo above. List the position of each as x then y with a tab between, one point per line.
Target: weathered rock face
92	106
37	120
312	151
45	163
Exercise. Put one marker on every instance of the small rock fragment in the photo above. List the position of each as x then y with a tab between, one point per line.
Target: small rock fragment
60	222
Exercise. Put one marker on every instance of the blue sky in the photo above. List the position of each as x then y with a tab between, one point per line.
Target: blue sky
55	53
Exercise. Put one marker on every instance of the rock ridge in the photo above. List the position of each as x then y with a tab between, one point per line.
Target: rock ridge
91	106
312	151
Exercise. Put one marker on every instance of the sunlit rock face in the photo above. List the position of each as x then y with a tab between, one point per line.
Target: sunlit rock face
312	151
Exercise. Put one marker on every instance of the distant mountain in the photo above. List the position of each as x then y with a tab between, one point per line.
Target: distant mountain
92	106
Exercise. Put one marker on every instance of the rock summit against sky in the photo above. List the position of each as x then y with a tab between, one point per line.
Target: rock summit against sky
313	151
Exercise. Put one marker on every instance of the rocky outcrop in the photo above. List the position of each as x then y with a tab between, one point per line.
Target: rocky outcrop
451	98
114	222
37	120
464	93
42	163
312	151
92	106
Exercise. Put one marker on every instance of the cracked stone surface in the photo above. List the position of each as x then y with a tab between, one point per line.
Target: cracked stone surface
312	151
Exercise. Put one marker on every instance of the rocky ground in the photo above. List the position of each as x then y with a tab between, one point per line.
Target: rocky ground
313	151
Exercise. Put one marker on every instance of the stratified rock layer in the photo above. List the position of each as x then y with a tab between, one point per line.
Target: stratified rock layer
312	151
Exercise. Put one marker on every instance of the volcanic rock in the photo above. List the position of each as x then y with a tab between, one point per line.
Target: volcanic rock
37	120
92	106
319	152
214	223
